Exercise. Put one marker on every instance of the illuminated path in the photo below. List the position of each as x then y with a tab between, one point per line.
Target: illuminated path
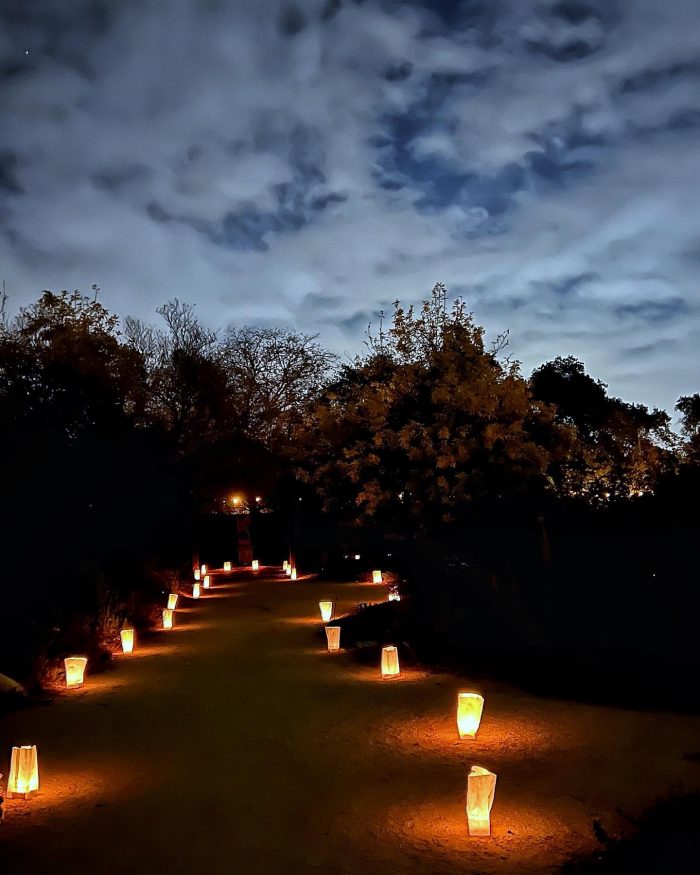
236	744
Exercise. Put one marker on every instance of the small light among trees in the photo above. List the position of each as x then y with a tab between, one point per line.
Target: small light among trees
326	610
469	709
168	618
390	662
75	670
481	788
172	601
333	638
24	771
127	636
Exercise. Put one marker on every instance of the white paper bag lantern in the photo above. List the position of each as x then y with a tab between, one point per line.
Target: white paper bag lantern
168	618
75	670
202	570
333	638
285	565
195	591
255	565
376	577
172	601
293	575
326	608
206	583
227	567
197	574
390	662
24	771
469	709
127	636
481	788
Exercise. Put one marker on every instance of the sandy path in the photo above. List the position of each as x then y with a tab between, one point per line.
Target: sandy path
237	744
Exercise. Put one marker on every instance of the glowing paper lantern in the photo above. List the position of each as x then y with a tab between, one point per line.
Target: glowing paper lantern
390	662
127	636
206	583
24	771
481	787
227	567
293	574
326	610
288	570
469	708
285	565
376	577
195	591
168	618
75	670
172	601
255	565
333	638
203	570
197	575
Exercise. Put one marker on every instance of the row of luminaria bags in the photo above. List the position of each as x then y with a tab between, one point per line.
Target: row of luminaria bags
481	783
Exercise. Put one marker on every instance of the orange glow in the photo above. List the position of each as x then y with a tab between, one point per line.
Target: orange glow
390	662
227	567
168	618
195	591
207	581
75	670
127	636
293	574
235	501
333	638
172	601
326	610
481	787
24	771
376	577
255	565
469	710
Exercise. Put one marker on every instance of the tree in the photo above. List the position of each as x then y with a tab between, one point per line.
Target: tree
689	408
422	425
272	375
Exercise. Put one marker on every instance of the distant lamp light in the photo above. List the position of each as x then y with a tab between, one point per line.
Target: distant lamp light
195	591
326	608
127	636
390	662
172	601
227	567
481	788
258	499
333	638
24	771
255	565
75	670
469	709
376	577
357	557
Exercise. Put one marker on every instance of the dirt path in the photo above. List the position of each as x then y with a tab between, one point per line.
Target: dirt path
235	743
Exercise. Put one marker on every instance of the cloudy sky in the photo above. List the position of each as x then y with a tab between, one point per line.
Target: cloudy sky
305	163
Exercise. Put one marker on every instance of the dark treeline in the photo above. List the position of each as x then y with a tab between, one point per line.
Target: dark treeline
560	515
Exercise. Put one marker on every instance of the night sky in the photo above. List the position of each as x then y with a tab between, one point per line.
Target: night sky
306	163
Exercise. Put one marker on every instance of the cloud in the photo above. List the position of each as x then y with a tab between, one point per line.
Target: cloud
309	165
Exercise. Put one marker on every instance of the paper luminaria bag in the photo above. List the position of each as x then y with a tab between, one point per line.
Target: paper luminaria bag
333	638
24	771
127	636
172	601
75	670
469	710
377	577
390	662
168	618
481	788
326	608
